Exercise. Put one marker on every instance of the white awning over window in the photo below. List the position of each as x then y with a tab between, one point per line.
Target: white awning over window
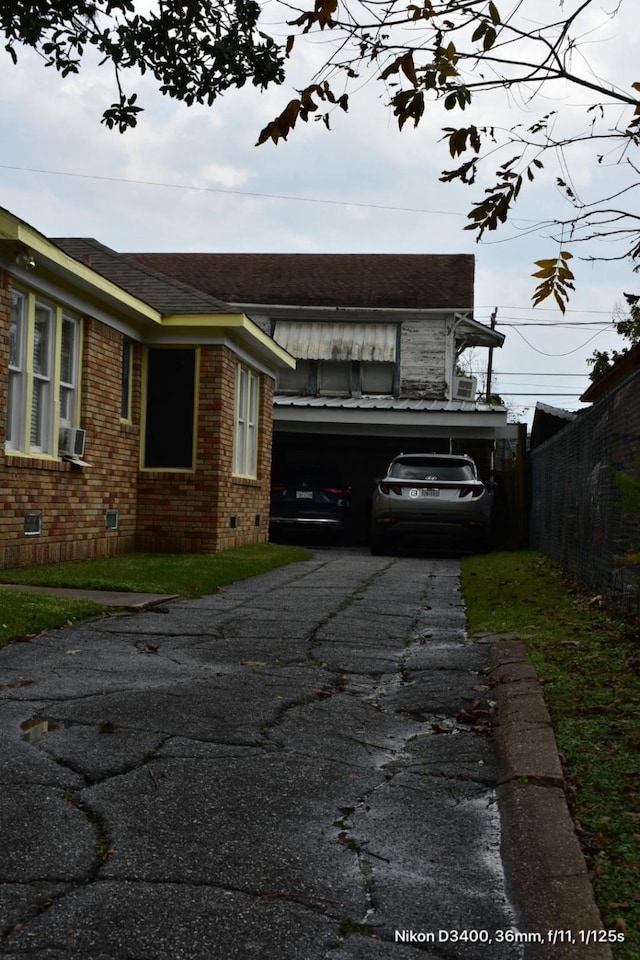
338	341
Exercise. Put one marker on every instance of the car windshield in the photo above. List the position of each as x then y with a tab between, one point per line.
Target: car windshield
432	470
315	481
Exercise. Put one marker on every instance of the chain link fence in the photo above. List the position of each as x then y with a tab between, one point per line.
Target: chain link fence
576	516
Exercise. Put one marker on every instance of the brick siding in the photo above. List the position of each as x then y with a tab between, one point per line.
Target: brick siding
194	511
157	511
74	500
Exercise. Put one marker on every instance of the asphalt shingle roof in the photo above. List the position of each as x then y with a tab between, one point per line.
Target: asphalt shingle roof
164	293
410	281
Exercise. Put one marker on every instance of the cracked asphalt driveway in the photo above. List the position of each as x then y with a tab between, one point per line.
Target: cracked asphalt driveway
297	767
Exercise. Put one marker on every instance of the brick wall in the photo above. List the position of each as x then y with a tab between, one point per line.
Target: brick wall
206	510
209	510
73	500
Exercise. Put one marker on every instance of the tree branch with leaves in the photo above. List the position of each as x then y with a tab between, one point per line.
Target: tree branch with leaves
195	49
627	325
456	53
427	55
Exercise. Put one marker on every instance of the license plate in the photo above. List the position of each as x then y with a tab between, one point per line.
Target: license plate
430	492
304	494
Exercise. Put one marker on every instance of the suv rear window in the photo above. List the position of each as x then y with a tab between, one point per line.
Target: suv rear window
432	470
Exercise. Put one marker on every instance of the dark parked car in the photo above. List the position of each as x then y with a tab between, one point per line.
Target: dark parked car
309	501
431	496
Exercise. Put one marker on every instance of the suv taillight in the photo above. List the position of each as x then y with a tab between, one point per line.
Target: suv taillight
476	491
387	488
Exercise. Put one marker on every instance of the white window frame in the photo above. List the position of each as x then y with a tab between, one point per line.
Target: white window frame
245	432
39	394
68	388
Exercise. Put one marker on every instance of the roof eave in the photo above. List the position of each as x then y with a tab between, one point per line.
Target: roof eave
52	260
476	334
373	313
480	424
238	328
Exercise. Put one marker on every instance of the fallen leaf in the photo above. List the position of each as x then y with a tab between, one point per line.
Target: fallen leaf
72	653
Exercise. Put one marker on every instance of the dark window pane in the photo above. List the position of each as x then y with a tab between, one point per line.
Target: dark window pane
170	408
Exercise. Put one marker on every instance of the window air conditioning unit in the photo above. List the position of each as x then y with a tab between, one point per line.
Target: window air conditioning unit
465	388
71	442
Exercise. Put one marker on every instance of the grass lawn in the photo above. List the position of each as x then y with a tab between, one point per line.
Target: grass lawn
189	575
24	615
589	666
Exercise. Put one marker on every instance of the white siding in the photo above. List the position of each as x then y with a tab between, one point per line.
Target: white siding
423	358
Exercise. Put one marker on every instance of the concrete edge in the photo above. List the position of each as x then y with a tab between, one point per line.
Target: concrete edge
546	874
115	600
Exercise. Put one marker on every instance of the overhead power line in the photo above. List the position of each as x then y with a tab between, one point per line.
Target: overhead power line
226	190
536	393
545	309
566	353
537	373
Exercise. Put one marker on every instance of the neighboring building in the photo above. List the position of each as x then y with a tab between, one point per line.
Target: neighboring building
547	421
377	339
625	366
579	514
138	409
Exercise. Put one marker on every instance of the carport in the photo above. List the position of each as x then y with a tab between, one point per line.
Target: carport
355	438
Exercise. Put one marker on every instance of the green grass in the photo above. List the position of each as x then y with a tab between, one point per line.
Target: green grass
25	615
188	575
589	666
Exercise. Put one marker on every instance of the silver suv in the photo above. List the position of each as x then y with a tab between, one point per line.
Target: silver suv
431	496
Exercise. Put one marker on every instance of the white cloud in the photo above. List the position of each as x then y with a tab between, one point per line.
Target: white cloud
55	125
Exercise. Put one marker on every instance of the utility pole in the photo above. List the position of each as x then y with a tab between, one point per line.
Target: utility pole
494	317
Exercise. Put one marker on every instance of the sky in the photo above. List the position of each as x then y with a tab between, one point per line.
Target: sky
192	179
